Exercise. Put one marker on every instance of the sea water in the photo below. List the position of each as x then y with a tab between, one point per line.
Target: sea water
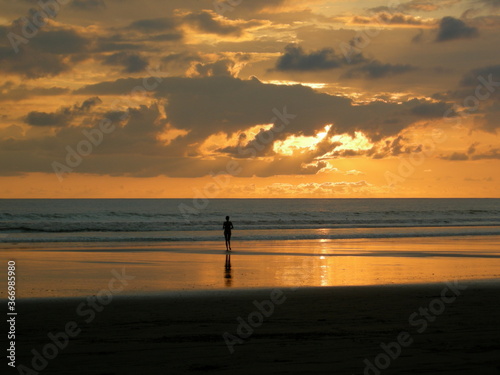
167	220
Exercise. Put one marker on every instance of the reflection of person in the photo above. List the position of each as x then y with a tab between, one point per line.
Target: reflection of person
227	269
227	226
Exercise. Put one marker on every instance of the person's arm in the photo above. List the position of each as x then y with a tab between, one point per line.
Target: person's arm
232	225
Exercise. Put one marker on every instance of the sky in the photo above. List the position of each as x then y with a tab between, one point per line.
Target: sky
249	98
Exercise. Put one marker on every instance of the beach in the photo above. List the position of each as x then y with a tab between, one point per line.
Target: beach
82	269
348	307
310	330
330	286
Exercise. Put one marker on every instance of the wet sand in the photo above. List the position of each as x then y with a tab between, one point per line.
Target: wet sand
72	269
442	329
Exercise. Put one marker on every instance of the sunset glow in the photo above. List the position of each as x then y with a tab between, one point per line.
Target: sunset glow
121	99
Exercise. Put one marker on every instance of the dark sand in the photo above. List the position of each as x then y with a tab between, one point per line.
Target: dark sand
315	330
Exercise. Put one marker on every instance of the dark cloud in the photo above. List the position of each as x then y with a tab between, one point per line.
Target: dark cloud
218	68
168	37
472	148
201	107
51	51
386	18
60	42
296	59
196	64
418	37
11	92
63	116
493	153
430	109
181	58
387	148
206	106
254	6
209	22
470	79
479	95
456	156
164	29
418	6
88	4
489	3
452	28
131	62
111	46
473	153
376	69
154	25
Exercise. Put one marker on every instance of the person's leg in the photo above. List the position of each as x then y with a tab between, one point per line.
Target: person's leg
229	240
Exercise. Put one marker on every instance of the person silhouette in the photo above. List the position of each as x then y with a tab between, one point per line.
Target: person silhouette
227	226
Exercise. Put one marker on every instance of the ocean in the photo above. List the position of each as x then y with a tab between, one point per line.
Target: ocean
71	247
168	220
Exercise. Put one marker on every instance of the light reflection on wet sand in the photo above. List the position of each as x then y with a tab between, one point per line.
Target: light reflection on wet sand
74	271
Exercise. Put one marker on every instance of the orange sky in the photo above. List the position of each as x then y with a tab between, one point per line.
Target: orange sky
279	98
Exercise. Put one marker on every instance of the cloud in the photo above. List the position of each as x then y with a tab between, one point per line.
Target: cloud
452	28
481	86
11	132
386	18
182	59
11	92
431	109
225	104
489	3
154	25
193	110
131	62
209	22
470	79
376	69
295	59
52	51
473	153
218	68
88	4
419	6
165	29
63	116
456	156
493	153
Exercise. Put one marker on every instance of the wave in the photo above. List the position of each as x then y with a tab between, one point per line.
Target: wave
109	227
262	236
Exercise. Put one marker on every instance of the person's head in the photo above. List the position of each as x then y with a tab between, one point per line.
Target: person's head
227	218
